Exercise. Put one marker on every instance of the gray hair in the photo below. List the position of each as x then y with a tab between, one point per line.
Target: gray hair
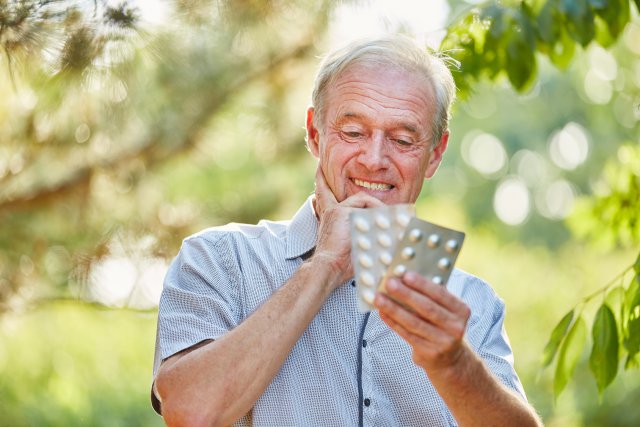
396	51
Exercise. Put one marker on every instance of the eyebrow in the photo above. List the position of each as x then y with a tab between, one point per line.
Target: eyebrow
351	115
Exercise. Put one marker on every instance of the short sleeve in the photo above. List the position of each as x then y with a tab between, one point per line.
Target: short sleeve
200	297
495	349
485	330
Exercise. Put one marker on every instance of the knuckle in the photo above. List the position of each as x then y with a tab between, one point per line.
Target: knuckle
414	324
458	330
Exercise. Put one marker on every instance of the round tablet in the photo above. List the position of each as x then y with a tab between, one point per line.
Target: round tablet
433	241
399	270
364	243
452	245
384	240
415	235
408	252
403	219
437	280
383	222
368	295
365	261
444	263
362	224
367	279
385	258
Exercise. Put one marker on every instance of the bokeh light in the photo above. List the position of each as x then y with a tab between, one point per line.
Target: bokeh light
485	153
569	147
511	201
556	201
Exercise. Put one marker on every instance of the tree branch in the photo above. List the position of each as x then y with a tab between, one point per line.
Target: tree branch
150	151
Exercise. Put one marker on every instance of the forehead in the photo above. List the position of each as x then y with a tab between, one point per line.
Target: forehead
382	93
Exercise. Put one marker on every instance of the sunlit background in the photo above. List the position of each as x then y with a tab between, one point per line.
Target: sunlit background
178	126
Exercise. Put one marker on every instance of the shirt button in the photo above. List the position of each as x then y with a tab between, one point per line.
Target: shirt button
367	402
364	343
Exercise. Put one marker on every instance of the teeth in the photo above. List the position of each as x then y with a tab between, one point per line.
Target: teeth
372	185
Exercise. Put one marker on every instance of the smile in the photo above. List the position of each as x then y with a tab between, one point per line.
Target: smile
372	185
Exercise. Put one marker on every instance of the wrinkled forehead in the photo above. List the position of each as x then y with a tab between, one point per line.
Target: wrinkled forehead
382	82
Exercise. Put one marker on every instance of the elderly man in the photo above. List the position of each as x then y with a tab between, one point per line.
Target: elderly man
258	324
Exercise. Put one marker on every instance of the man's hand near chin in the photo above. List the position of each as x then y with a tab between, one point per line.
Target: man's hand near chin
334	241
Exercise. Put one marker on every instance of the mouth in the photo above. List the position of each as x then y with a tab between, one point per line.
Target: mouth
377	186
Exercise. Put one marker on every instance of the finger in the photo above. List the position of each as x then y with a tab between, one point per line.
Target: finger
437	293
425	307
406	319
361	200
412	339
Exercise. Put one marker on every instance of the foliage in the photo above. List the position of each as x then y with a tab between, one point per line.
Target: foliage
608	344
498	38
495	39
613	336
100	100
115	133
73	364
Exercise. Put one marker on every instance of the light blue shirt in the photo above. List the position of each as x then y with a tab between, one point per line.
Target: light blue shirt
348	368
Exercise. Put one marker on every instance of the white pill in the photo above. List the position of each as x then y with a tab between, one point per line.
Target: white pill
364	243
415	235
399	270
408	252
367	279
403	219
385	258
433	241
383	222
365	261
444	263
368	295
384	240
451	246
437	280
362	225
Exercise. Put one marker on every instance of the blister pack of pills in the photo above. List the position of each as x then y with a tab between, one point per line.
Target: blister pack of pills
389	241
375	234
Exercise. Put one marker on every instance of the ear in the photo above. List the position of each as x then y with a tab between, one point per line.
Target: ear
312	134
436	156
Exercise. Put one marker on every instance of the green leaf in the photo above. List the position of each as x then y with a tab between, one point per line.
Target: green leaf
632	340
636	265
521	46
603	36
580	20
598	4
632	296
562	52
549	23
616	15
631	319
556	337
603	361
569	354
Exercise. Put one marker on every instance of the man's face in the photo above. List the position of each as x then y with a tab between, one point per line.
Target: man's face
375	134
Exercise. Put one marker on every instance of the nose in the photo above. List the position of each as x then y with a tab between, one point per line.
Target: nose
373	153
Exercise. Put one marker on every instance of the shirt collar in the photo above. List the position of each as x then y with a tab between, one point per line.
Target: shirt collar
302	232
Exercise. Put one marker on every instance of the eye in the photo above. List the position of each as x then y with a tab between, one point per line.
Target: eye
352	135
403	142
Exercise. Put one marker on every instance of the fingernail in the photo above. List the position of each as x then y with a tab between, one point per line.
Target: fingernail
392	284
